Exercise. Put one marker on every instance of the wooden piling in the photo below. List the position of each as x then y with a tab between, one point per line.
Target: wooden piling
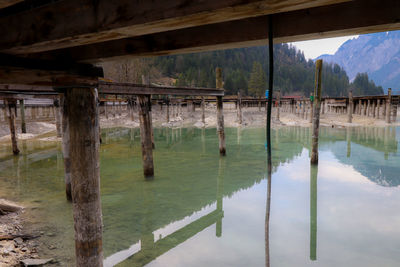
350	108
12	106
66	147
311	108
368	107
388	105
316	114
57	114
203	112
145	134
22	111
220	114
239	104
378	106
167	102
278	103
85	175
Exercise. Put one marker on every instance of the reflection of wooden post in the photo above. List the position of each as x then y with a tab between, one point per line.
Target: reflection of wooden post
85	175
389	105
22	109
313	212
350	108
145	134
66	147
12	106
203	112
220	114
220	195
317	106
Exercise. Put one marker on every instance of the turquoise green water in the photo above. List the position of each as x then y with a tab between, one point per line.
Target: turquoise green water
203	210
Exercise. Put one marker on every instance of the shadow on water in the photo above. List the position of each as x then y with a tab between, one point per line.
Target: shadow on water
145	219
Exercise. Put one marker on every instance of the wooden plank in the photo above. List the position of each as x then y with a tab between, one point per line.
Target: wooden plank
7	3
64	23
356	17
14	70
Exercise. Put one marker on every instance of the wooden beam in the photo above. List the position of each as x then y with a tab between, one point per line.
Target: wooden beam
7	3
139	89
355	17
70	23
15	70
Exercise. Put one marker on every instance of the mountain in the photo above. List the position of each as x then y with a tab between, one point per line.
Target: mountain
376	54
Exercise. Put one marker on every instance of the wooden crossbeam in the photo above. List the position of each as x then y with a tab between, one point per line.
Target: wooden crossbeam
356	17
46	72
70	23
117	89
138	89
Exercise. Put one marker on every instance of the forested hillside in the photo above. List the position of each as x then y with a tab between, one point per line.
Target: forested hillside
242	67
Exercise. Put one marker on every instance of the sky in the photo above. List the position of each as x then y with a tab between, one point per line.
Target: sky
315	48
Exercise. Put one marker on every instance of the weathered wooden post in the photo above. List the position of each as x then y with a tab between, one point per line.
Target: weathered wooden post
368	107
83	120
311	107
394	113
203	112
350	108
57	114
388	105
278	99
239	104
66	147
220	114
167	103
22	110
378	107
145	135
373	109
316	114
12	106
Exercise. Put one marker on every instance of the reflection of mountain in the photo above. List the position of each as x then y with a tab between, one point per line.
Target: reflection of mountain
369	153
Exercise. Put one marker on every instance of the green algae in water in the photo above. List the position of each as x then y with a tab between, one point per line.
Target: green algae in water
205	210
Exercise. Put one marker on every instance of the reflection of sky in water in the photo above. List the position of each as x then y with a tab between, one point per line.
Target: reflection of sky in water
358	218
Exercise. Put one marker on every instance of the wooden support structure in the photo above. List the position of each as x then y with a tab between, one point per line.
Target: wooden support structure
66	147
239	104
203	111
12	107
389	105
316	114
22	111
58	117
350	108
311	107
83	123
220	114
167	103
145	134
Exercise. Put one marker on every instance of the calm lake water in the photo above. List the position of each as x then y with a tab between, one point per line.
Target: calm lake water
203	210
